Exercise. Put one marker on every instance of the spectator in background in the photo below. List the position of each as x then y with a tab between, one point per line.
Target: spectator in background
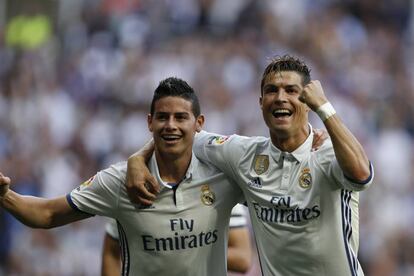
104	83
29	30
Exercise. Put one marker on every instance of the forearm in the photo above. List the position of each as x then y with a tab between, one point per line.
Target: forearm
28	210
39	212
143	154
348	151
111	257
238	261
239	253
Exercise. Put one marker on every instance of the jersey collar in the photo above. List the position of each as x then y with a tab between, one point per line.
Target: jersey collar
153	166
299	154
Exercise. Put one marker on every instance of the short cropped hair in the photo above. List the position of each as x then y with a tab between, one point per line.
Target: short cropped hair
286	63
175	87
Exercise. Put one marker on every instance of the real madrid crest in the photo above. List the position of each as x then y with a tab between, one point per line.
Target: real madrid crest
207	196
261	163
305	179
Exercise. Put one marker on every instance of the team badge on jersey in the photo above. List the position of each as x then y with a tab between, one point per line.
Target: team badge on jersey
207	196
305	179
86	183
217	140
261	163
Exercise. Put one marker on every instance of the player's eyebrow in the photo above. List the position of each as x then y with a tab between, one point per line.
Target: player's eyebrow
162	113
295	86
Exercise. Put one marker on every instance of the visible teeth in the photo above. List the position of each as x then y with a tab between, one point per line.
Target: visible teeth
281	111
171	137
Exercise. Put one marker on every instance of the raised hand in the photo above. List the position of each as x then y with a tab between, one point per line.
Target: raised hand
4	185
313	95
319	137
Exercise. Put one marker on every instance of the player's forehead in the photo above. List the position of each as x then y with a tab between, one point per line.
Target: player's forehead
173	104
283	78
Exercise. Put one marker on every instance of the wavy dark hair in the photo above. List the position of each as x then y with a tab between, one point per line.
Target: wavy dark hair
176	87
286	63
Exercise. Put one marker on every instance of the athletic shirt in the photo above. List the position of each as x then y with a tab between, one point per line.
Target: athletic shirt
184	232
237	220
303	210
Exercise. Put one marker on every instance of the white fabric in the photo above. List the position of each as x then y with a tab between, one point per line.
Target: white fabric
183	238
304	212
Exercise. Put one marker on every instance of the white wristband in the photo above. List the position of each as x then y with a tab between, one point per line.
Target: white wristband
325	111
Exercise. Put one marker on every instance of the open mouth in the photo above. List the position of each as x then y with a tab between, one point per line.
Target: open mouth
171	137
281	113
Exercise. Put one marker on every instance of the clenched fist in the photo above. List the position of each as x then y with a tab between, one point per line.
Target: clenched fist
4	185
313	95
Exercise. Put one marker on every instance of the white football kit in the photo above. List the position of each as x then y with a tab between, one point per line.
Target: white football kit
184	232
304	211
237	219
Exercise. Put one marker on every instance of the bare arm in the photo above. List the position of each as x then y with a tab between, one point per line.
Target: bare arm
111	257
141	186
239	255
348	151
37	212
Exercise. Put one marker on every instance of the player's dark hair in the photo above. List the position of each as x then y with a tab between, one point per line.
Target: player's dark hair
175	87
286	63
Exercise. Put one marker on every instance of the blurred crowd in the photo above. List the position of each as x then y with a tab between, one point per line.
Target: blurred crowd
76	81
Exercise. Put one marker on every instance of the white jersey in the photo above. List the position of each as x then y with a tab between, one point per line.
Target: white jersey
184	232
237	219
304	211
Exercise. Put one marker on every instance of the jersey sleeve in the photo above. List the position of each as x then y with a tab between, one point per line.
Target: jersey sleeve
238	216
224	152
100	194
330	166
111	229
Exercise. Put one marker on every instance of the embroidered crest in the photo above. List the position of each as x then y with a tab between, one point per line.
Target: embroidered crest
261	163
217	140
305	179
86	183
207	196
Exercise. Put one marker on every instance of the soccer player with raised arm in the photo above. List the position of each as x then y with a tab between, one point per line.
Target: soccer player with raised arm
303	204
184	232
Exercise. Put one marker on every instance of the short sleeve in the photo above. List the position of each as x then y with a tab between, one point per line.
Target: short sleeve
327	160
111	229
100	194
224	152
238	216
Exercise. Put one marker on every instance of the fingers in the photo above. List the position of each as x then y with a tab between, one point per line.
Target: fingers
140	193
143	191
152	184
140	198
319	137
4	180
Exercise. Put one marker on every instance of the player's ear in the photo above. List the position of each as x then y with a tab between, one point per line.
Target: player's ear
199	122
261	102
149	122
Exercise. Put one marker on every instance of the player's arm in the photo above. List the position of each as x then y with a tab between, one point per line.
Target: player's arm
111	257
37	212
142	187
349	153
239	253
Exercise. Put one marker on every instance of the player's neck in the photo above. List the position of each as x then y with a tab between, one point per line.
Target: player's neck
288	142
172	169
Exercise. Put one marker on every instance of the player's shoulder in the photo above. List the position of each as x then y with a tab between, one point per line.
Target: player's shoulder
213	139
117	170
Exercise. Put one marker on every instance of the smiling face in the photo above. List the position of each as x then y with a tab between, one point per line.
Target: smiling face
285	115
173	125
